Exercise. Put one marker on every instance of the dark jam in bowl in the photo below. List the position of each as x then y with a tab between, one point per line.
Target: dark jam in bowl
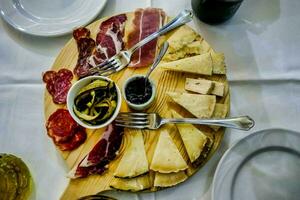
138	90
215	11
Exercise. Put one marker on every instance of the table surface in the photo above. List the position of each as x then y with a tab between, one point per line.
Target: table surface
261	45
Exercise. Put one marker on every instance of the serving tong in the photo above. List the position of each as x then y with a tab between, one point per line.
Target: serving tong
123	58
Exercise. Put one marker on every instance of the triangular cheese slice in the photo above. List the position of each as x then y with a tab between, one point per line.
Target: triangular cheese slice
181	37
167	158
218	63
170	179
132	184
193	139
201	106
134	161
200	64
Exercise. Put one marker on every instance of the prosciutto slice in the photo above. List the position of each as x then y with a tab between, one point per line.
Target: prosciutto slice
103	152
145	22
109	40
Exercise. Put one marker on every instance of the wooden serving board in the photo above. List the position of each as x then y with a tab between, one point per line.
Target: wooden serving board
165	81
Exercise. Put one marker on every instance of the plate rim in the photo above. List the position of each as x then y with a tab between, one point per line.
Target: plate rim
61	33
225	155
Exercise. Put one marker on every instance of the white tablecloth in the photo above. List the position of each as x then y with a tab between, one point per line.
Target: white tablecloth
261	44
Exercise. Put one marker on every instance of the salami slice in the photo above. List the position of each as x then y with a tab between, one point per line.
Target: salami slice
58	84
64	131
78	138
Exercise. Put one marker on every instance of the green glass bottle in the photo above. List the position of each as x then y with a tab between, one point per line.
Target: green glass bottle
215	11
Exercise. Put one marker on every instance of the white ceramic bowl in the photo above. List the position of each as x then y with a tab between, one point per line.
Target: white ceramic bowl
73	93
145	105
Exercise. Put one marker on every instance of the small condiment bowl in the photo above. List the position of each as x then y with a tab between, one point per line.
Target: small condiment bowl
73	93
145	105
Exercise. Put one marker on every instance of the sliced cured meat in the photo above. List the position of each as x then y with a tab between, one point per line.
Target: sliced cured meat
60	125
81	33
64	131
145	22
85	46
102	153
81	172
78	138
109	39
58	84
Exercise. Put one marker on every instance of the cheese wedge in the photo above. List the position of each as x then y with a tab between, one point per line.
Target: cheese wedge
220	111
167	158
168	180
132	184
201	86
193	139
134	161
218	88
181	37
201	106
218	60
200	64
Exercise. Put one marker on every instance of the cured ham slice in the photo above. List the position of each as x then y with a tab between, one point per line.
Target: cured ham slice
103	152
109	40
145	22
85	46
64	131
58	84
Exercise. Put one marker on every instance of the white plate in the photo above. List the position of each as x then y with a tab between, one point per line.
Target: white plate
264	165
49	17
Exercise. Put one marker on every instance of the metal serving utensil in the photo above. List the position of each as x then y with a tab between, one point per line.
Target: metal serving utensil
154	121
123	58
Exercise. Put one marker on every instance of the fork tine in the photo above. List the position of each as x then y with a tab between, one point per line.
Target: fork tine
131	126
131	118
126	114
129	122
108	64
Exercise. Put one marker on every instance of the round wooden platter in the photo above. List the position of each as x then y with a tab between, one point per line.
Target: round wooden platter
165	81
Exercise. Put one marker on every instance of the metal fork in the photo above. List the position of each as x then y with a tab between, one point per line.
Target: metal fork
154	121
122	59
